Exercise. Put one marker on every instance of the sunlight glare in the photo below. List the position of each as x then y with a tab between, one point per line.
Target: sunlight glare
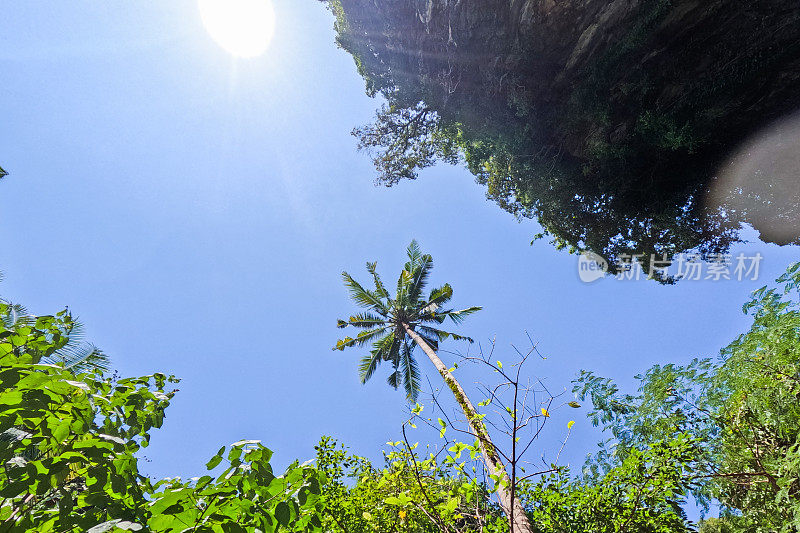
242	27
760	180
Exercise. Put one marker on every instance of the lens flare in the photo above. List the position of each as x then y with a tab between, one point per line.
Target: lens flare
244	28
760	183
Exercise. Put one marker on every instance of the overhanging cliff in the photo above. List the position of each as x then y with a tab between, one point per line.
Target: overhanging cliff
614	113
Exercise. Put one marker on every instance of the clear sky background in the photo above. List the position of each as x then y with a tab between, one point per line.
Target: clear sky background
195	211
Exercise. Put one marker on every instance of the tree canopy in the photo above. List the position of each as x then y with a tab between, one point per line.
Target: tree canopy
739	411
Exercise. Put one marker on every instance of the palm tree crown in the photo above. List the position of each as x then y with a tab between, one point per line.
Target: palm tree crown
385	320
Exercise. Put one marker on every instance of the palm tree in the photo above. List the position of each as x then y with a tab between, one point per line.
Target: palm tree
395	326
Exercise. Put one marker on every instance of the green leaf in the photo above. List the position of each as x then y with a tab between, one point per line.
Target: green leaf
283	513
401	500
217	459
62	430
113	525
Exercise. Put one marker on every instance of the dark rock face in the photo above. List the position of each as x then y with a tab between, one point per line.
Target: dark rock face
723	69
741	59
636	102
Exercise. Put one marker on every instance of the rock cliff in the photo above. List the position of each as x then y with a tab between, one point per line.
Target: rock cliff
633	104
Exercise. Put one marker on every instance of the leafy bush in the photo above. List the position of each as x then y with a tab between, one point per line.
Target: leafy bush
742	410
69	442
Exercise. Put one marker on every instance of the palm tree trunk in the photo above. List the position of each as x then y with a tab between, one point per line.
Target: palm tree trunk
511	505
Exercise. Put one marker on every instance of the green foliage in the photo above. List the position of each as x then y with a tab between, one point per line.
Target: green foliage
643	493
410	139
742	410
386	318
409	494
419	494
594	205
717	525
246	496
71	438
76	354
725	430
68	445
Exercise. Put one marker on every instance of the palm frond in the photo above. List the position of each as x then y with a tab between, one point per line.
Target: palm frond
16	315
79	355
420	274
439	318
362	320
76	355
3	173
449	335
394	378
366	368
380	289
407	280
414	253
403	286
83	357
432	336
363	297
410	373
393	354
440	296
360	340
381	351
458	316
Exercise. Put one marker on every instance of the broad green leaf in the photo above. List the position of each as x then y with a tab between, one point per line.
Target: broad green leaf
283	513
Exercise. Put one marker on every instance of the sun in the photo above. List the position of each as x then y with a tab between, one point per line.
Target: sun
242	27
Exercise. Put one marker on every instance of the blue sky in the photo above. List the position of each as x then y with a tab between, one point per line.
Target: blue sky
196	212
